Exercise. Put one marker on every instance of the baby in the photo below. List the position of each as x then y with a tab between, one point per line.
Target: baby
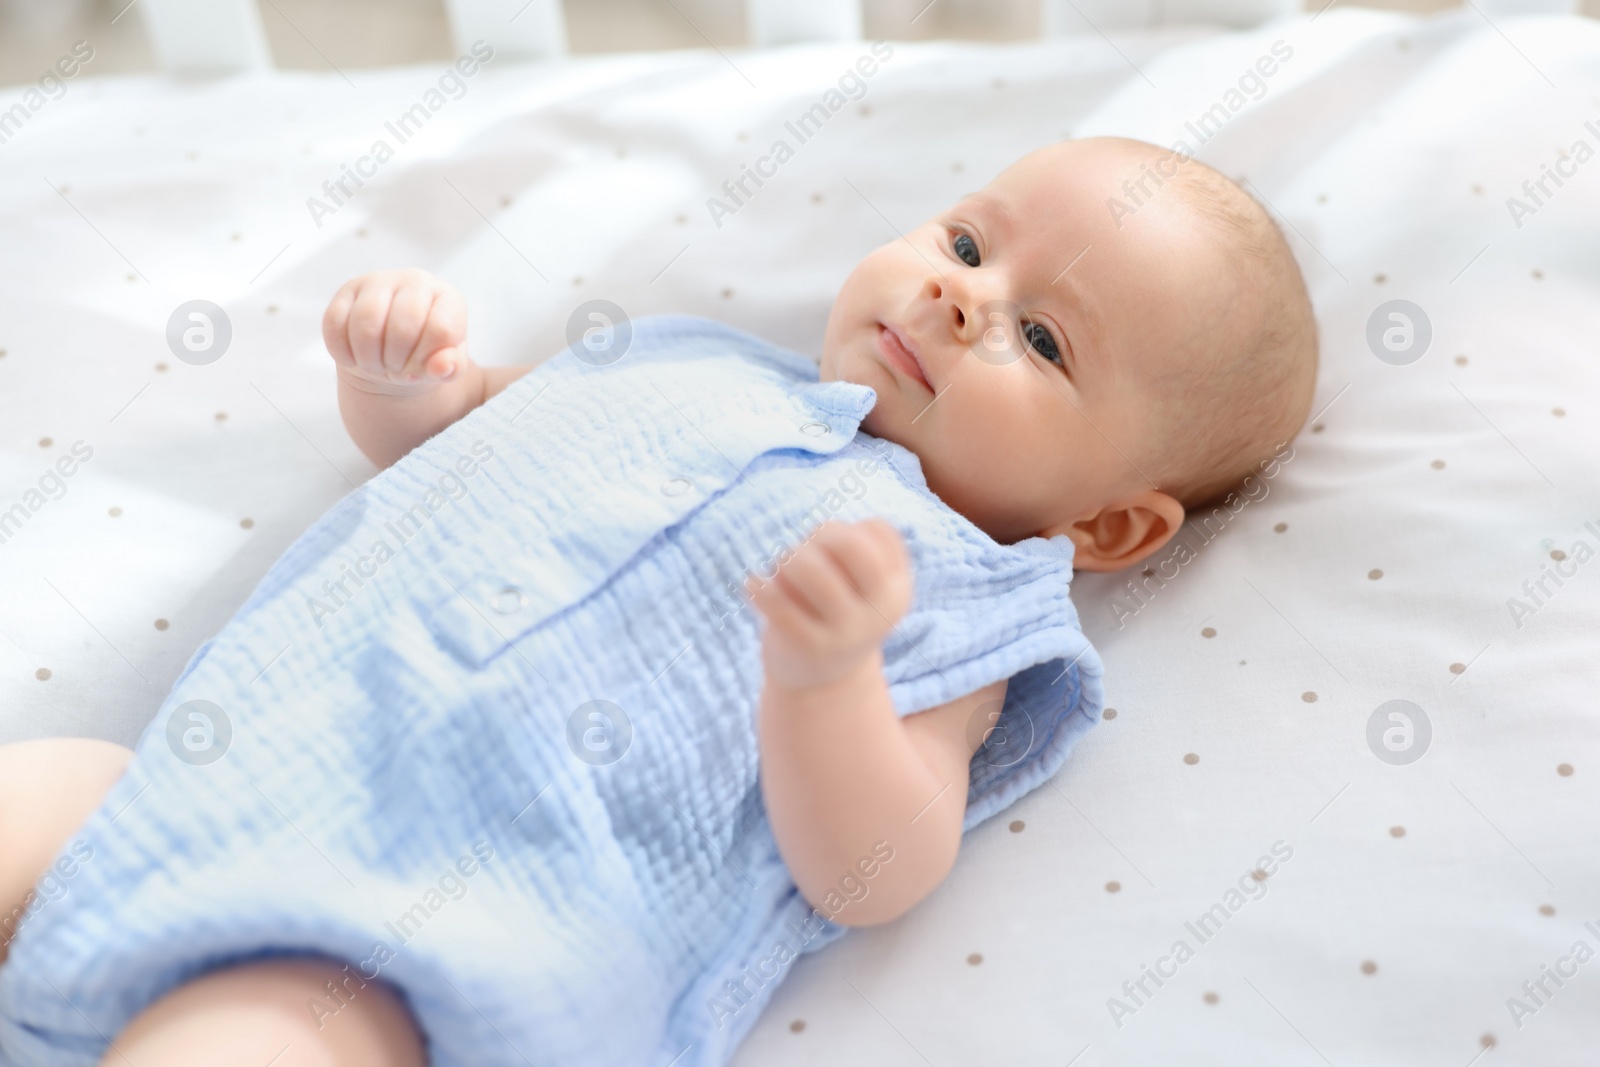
475	775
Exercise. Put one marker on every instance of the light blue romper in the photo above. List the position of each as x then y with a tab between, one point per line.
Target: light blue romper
487	729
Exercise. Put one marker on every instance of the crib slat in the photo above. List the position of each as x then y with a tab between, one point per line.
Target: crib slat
1529	7
515	29
206	36
788	21
1058	18
1061	17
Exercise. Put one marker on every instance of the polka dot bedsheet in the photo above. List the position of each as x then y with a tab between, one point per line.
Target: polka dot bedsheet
1342	807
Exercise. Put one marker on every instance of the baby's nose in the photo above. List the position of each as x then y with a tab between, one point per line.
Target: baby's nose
938	292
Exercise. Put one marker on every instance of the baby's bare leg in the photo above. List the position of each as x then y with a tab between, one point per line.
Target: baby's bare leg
257	1014
47	789
246	1015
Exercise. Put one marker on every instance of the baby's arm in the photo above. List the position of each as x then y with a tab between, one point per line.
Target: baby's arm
846	782
398	339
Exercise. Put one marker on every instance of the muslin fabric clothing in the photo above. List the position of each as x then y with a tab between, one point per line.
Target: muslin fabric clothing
486	731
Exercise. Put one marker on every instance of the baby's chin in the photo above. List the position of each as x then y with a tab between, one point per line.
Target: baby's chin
875	420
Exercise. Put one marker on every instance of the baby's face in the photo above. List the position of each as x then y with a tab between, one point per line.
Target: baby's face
1031	437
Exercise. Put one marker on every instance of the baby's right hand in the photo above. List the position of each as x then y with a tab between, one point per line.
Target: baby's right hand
403	331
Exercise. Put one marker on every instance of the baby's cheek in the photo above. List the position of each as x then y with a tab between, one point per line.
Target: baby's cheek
894	273
863	288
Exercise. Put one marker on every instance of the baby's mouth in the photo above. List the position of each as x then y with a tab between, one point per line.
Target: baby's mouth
900	355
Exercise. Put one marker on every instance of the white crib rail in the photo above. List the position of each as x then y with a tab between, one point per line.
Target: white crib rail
774	22
1060	17
517	29
222	36
207	36
219	36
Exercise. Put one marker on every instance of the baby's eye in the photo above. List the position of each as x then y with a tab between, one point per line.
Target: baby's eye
1040	341
967	250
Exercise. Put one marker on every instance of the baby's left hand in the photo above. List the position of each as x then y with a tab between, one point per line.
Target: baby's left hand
831	605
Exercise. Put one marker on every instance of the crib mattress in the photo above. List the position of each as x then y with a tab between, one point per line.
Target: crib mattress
1352	767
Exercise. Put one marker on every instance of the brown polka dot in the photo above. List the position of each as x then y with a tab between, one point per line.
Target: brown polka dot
133	277
957	167
1461	361
1397	831
45	442
1546	909
1191	759
113	512
1564	770
1477	190
1402	44
43	674
1487	1041
1437	464
1113	887
361	232
1557	555
1538	275
505	201
864	110
247	523
1282	526
272	309
1374	574
816	198
1380	278
797	1026
1208	632
161	368
221	416
975	958
2	353
1368	967
1259	875
1309	697
577	279
1017	826
238	237
682	218
1558	412
1318	428
1322	198
1109	713
726	293
1210	997
1457	668
162	624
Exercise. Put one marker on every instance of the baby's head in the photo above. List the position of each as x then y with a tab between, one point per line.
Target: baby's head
1113	332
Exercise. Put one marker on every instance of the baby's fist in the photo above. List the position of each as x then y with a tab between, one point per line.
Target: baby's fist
400	330
830	606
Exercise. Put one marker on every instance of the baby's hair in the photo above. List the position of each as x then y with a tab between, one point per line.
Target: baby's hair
1249	388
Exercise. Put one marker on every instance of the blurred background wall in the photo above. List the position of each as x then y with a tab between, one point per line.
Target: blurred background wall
312	34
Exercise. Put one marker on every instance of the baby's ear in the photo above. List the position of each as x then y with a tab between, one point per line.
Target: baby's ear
1124	533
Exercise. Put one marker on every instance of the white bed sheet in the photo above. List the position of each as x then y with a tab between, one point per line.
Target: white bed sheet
1389	146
